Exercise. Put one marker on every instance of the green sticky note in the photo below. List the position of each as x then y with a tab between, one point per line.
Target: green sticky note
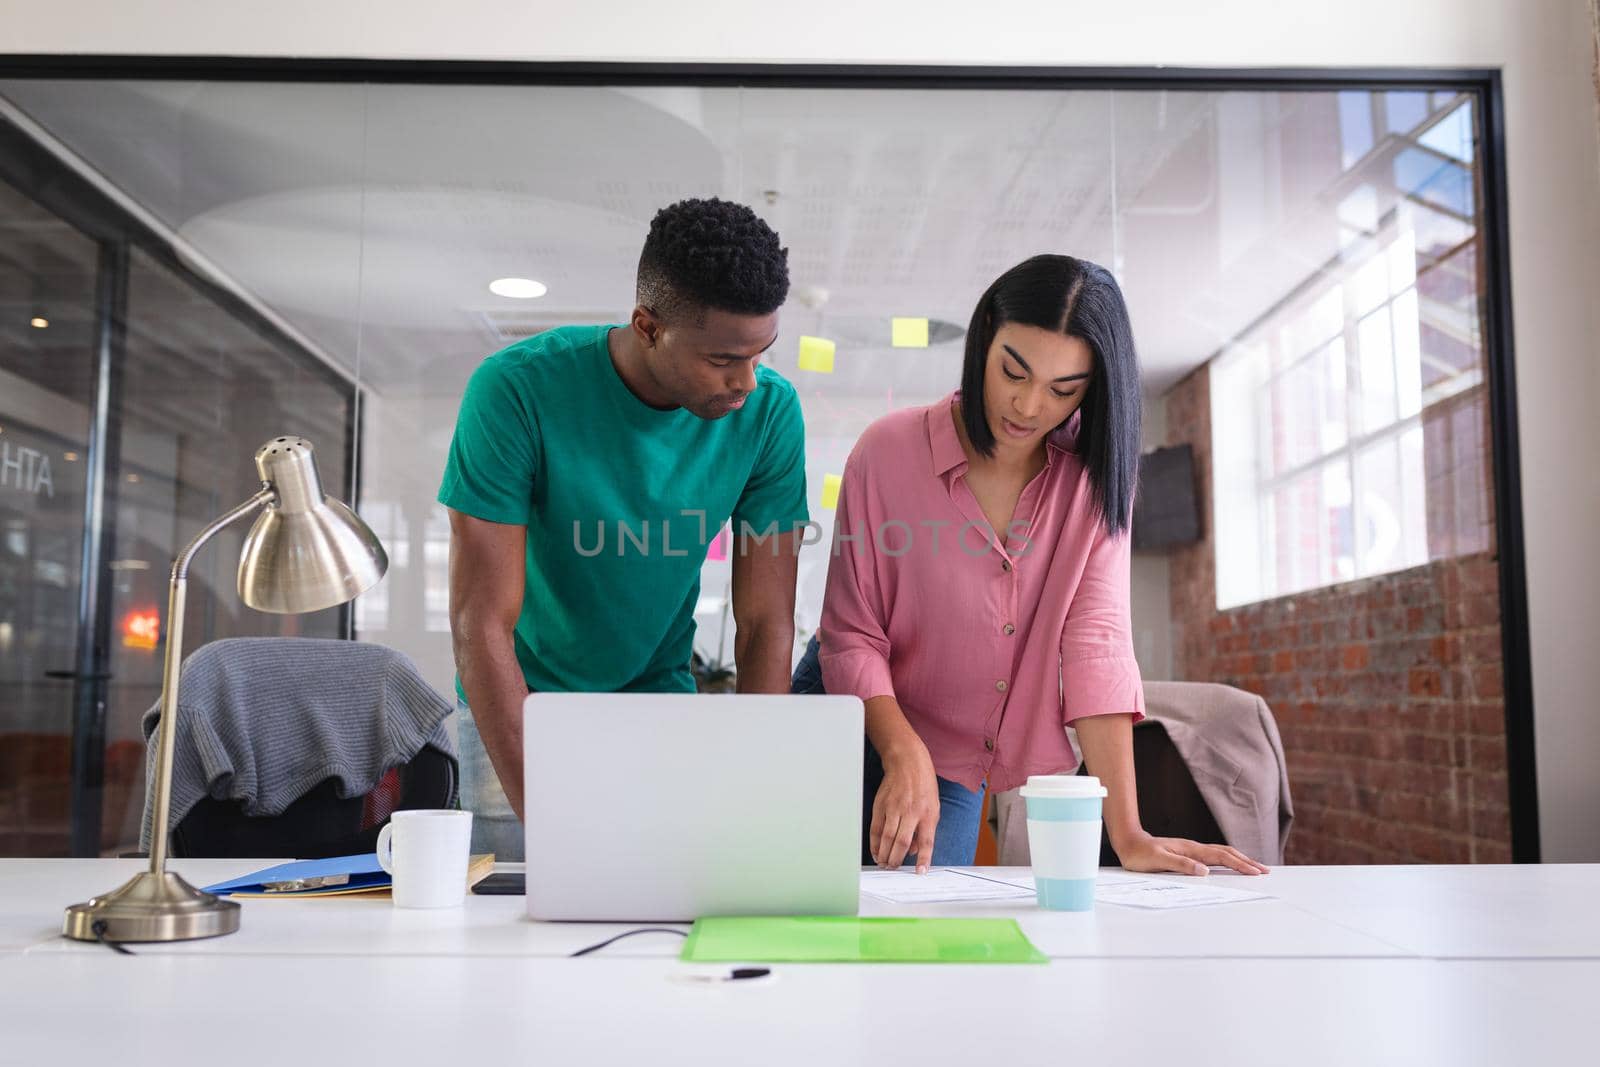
908	333
834	939
816	354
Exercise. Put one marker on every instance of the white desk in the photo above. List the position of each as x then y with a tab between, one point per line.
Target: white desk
1542	911
1349	965
81	1008
494	926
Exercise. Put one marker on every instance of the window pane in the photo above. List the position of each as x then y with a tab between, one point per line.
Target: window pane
1405	111
1407	355
1335	397
1392	526
1358	216
1444	183
1376	371
1355	126
1310	530
1295	422
1341	563
1322	321
1370	286
1395	319
1453	135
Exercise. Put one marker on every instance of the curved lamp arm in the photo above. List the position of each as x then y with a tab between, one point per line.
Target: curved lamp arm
166	729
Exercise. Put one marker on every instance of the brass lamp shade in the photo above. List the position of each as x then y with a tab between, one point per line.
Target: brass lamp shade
305	552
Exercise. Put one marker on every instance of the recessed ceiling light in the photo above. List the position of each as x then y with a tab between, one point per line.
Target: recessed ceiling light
70	457
39	322
517	288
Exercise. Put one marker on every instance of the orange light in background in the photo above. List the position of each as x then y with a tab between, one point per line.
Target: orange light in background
141	629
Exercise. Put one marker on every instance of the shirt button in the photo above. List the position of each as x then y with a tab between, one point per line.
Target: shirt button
1005	565
1001	685
988	743
1008	629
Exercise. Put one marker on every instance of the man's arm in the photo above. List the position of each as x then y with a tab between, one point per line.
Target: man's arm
487	576
763	611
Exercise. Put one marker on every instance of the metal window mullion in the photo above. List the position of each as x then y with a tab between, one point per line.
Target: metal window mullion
86	788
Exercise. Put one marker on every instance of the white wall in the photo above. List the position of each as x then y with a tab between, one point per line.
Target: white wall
1545	48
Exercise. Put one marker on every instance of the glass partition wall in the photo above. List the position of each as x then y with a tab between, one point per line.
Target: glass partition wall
133	394
220	260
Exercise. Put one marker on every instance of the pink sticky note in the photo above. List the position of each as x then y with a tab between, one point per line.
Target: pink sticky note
719	547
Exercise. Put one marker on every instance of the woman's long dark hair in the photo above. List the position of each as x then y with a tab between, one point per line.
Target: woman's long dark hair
1079	299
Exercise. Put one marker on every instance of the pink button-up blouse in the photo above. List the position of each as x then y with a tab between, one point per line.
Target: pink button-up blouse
991	645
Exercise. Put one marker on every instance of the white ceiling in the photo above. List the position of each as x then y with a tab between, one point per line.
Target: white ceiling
373	217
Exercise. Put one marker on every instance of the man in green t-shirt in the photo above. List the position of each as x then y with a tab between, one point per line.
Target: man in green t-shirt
592	466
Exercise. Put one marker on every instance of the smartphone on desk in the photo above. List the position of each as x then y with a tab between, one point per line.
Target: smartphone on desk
503	884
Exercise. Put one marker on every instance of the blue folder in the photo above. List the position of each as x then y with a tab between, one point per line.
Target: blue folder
363	872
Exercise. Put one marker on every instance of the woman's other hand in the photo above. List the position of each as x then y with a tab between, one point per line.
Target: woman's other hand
1178	855
905	811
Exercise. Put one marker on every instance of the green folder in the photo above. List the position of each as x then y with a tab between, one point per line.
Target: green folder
832	939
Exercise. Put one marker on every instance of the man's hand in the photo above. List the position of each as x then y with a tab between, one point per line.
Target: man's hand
905	811
1179	855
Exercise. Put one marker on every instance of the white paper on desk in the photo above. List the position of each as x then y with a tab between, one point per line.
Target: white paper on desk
1102	879
939	886
1135	891
1159	893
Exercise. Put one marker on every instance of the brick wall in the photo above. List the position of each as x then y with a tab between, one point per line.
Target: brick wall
1387	690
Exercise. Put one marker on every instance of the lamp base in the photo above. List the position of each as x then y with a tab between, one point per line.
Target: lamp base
152	907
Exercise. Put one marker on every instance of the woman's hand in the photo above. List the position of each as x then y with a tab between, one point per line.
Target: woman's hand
1178	855
905	811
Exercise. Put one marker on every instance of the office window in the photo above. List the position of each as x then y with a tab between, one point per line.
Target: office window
1335	418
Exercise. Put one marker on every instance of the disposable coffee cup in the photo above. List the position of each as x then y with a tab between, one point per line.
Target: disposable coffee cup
1064	838
426	851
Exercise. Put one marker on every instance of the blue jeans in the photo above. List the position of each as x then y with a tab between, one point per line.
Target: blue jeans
955	841
494	825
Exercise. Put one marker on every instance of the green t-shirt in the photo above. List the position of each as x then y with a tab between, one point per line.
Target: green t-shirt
550	438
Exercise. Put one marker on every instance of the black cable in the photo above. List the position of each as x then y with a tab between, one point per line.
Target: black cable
98	929
628	933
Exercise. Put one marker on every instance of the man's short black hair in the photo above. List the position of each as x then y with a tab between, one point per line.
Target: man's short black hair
711	254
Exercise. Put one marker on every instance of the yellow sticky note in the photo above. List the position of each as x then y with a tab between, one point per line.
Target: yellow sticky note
909	333
830	490
816	354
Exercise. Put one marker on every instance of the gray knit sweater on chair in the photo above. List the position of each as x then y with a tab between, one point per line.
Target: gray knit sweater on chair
264	719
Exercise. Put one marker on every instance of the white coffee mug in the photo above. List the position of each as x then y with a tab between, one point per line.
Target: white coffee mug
427	851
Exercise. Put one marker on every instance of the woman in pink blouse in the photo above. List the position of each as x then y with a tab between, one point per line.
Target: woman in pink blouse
977	599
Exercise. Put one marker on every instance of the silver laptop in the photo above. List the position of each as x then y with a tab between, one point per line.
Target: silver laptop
670	807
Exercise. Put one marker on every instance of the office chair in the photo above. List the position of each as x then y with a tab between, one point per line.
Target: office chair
320	823
1210	767
272	730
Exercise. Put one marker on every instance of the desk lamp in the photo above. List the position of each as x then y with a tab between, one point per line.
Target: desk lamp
305	552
